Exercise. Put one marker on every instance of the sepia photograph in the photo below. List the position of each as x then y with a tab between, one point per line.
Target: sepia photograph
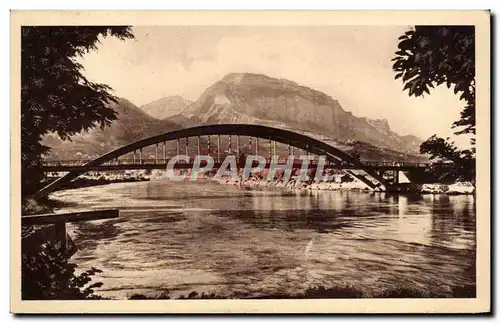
171	159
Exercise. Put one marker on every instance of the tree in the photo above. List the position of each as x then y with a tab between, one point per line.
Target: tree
459	164
429	56
55	95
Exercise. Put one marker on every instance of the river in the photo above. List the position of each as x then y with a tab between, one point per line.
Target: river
207	237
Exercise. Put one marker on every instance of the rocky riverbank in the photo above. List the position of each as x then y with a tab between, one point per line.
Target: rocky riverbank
339	182
94	179
85	182
451	189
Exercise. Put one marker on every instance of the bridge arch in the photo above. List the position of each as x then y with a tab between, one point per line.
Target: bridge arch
256	131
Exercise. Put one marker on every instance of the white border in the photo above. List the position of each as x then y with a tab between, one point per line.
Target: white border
190	5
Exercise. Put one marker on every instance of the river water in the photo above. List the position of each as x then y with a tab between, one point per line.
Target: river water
207	237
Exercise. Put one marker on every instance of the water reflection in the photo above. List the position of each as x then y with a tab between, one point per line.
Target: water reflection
205	237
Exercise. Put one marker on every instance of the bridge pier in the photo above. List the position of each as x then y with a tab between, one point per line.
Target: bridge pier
393	173
256	145
178	147
198	145
229	146
140	156
270	148
396	176
250	146
134	156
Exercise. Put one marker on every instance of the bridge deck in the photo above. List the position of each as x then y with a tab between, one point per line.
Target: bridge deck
73	165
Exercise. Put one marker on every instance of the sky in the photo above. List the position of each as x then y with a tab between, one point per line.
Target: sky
349	63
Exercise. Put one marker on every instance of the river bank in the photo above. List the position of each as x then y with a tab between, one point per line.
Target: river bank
88	180
459	188
339	291
339	182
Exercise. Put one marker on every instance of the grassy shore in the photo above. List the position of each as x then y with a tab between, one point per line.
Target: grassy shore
467	291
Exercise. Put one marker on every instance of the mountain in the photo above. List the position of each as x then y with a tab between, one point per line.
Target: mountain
131	125
166	107
259	99
244	98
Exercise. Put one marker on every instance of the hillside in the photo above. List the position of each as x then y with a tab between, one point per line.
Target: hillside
132	124
165	107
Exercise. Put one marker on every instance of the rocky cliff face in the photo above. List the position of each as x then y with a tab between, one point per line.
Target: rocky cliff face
259	99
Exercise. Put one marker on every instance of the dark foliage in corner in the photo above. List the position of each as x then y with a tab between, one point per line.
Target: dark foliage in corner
55	95
47	275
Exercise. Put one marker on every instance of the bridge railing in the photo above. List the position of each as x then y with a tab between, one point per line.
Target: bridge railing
160	161
68	162
379	163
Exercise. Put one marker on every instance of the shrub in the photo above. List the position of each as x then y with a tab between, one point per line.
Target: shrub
47	275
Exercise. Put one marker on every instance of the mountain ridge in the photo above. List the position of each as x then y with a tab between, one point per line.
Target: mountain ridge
257	98
250	99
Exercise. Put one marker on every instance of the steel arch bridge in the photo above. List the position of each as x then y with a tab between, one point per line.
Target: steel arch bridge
334	155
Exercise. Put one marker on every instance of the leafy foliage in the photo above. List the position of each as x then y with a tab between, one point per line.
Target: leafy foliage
47	275
55	95
453	163
429	56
